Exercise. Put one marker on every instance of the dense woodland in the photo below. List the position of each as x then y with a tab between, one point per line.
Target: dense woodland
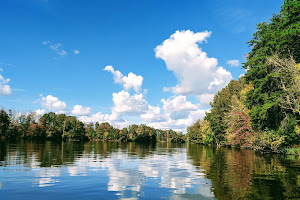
262	109
61	127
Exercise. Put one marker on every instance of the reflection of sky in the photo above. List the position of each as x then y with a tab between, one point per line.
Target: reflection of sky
47	176
172	171
126	176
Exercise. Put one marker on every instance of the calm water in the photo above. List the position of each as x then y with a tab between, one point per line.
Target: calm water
109	170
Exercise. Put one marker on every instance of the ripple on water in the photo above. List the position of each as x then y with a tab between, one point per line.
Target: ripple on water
108	170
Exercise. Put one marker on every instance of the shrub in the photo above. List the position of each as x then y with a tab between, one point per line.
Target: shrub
268	141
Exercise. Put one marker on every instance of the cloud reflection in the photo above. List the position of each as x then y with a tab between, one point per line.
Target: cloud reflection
129	175
47	176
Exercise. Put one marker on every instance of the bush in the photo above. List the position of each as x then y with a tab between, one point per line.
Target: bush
292	151
268	141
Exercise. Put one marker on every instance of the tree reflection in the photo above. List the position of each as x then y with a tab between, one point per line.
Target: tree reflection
177	171
244	174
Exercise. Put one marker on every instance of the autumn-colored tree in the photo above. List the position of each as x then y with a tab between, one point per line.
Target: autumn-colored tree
239	130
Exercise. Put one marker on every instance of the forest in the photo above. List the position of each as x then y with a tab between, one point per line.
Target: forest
62	127
261	110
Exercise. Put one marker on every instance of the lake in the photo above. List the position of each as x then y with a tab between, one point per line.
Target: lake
112	170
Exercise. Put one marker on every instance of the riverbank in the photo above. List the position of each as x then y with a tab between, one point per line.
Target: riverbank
284	151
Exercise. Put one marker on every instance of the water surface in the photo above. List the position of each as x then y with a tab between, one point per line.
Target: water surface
111	170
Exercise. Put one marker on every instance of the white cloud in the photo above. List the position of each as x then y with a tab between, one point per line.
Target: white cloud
153	115
98	117
124	104
178	107
4	87
131	81
221	79
180	124
129	104
167	89
196	72
205	99
233	63
39	112
76	52
56	48
46	42
241	75
60	112
177	113
80	110
62	52
52	103
197	75
114	119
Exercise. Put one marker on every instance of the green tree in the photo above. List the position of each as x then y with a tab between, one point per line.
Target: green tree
280	35
4	123
220	106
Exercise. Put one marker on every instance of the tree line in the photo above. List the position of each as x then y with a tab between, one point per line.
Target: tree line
62	127
261	110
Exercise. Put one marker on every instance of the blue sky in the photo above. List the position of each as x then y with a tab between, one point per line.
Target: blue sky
179	54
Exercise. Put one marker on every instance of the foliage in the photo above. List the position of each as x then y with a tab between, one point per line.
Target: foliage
62	127
267	141
4	122
262	110
220	106
200	132
281	36
288	71
238	122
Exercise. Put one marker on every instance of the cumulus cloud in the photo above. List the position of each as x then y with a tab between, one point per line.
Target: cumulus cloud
80	110
197	75
52	103
98	117
221	79
180	124
153	115
39	112
5	89
205	99
176	113
114	119
233	63
129	104
131	81
178	107
124	104
196	72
